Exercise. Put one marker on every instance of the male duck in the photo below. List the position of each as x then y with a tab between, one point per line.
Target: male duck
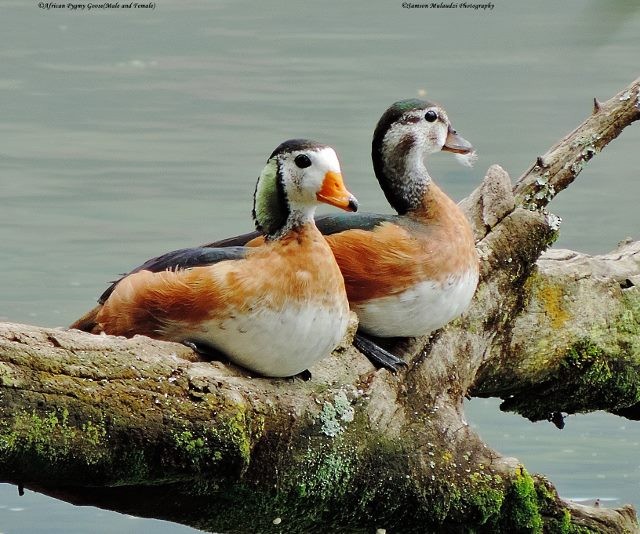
411	273
275	309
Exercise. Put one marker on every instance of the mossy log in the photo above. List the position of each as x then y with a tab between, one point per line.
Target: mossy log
144	427
576	345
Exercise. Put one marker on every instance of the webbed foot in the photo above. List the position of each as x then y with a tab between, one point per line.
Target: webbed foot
377	355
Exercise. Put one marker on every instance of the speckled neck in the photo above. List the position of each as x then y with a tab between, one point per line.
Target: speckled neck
400	170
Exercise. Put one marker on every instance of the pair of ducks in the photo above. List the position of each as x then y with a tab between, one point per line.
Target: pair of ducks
278	302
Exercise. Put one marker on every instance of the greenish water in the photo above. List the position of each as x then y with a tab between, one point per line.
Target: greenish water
127	133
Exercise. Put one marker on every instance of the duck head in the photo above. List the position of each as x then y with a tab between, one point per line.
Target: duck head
407	132
298	176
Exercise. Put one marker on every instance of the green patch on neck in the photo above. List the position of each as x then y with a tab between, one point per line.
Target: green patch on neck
270	207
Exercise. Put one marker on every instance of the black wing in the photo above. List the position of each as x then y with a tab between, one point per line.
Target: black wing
182	259
235	241
333	224
327	224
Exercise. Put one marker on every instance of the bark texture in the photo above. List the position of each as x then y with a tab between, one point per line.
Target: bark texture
143	427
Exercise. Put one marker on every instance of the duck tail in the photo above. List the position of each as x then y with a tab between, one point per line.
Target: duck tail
88	322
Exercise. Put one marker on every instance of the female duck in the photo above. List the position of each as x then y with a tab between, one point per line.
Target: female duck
409	274
275	309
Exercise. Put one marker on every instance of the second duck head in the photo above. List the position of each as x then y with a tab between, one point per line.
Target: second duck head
407	132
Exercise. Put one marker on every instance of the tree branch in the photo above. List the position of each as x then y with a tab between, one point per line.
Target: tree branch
561	164
576	345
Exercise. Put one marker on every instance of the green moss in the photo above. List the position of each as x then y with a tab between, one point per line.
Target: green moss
194	448
599	371
51	445
50	438
619	339
207	448
588	378
338	487
485	498
628	324
603	380
53	442
94	433
520	511
590	360
565	526
342	479
557	519
239	430
331	486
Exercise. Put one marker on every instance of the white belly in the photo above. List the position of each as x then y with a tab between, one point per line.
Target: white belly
419	310
276	343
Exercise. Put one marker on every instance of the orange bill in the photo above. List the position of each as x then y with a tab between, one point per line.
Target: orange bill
334	192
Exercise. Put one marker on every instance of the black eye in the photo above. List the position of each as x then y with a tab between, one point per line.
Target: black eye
302	161
430	116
